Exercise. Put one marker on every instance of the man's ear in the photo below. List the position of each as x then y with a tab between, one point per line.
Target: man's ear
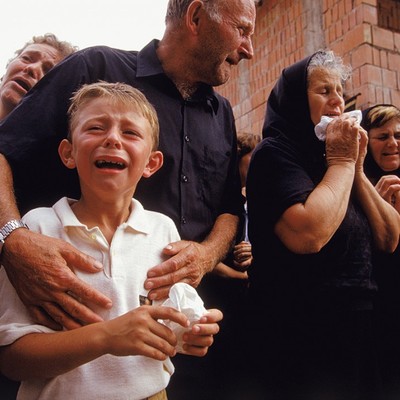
155	162
193	15
65	152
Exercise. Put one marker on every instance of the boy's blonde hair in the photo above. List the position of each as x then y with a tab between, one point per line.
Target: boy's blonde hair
120	93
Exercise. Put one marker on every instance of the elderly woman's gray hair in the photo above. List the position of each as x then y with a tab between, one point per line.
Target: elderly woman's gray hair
329	60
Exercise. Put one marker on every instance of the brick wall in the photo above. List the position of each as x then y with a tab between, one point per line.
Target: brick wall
363	32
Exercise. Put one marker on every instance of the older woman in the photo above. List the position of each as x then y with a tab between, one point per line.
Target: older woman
382	162
382	166
314	218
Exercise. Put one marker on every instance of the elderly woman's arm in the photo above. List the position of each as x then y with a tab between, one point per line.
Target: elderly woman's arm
306	228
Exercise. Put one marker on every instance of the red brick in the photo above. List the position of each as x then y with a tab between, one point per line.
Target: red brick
379	95
382	38
371	74
356	78
360	14
389	79
397	41
356	37
337	47
335	13
352	18
370	14
367	96
376	57
395	98
345	24
341	9
383	56
387	98
394	62
362	55
348	6
339	29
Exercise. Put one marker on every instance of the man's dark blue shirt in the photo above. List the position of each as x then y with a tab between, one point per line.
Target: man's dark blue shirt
199	179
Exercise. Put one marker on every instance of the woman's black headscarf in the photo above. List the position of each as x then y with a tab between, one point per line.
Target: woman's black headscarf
288	111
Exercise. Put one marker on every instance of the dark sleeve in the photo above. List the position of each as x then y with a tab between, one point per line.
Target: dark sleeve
276	180
232	200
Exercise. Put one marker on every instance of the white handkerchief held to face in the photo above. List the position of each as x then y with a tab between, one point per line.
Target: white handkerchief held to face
320	128
185	299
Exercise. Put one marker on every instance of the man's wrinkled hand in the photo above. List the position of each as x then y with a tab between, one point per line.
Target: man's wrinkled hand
41	270
189	262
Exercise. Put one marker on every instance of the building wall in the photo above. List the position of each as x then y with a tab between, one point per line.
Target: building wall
366	33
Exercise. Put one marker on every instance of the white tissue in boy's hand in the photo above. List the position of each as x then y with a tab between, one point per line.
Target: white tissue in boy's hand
320	128
185	299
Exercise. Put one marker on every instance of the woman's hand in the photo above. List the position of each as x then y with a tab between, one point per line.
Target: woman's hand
343	141
388	187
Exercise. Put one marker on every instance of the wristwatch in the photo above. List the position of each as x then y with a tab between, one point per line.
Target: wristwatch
8	228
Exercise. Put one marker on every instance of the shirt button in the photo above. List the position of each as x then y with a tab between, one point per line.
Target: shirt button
185	178
183	220
93	236
187	138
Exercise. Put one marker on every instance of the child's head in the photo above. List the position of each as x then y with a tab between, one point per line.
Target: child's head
113	138
119	93
246	143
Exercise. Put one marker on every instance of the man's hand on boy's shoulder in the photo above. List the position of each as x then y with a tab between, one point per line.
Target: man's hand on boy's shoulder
41	270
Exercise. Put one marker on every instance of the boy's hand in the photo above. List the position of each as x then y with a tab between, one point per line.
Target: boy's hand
139	332
201	336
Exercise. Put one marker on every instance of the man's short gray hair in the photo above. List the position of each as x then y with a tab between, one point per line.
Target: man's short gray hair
176	9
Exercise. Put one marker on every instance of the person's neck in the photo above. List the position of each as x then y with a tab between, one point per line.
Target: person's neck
175	62
106	215
185	89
